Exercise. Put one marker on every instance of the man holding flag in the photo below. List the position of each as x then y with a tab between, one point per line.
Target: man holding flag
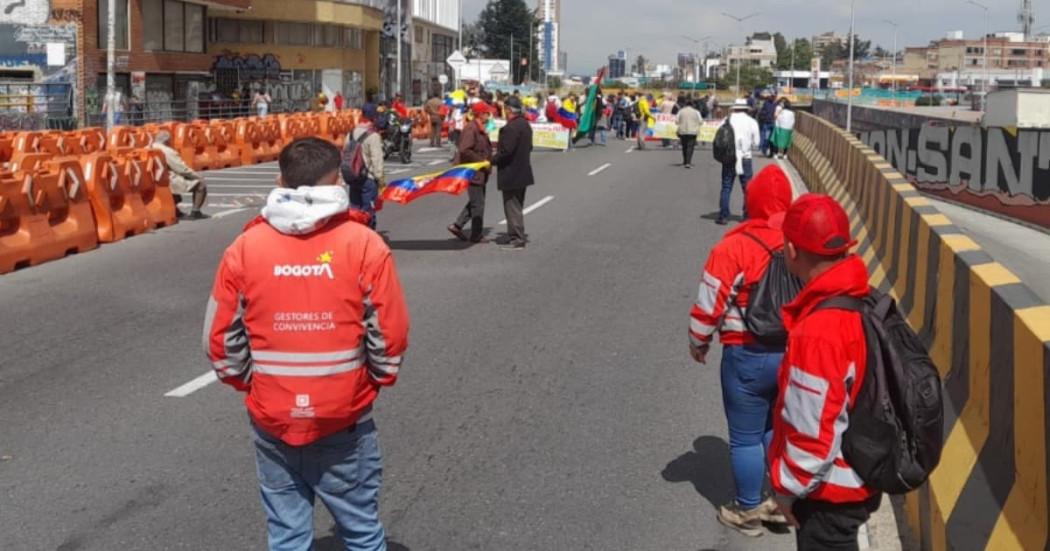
474	147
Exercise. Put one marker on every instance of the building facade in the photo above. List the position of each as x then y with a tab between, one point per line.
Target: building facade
758	51
617	66
434	37
1010	54
549	37
822	41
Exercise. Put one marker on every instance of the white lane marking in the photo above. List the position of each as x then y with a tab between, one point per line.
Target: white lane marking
193	386
258	195
599	169
437	162
399	170
226	213
629	149
532	207
224	206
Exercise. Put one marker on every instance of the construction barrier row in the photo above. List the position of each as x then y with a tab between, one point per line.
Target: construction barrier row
66	192
988	333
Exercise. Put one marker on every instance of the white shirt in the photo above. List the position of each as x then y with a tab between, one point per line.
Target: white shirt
747	137
786	119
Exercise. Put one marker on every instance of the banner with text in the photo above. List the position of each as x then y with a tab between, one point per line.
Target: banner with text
545	135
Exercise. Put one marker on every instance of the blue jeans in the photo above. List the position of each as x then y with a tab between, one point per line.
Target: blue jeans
749	390
345	470
765	131
728	176
364	197
602	136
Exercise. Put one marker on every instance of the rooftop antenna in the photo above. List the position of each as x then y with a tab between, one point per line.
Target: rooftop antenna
1026	18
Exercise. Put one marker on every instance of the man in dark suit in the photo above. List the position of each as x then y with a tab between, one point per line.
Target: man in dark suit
515	172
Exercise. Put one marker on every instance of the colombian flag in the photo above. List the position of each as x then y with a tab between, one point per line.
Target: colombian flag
453	181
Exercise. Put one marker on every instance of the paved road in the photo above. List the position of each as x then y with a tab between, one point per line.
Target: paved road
547	401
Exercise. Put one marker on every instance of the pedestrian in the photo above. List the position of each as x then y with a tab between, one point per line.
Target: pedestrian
645	119
338	101
514	161
689	122
474	147
767	116
603	122
784	130
704	105
819	381
746	131
307	317
749	369
457	121
433	112
182	178
365	193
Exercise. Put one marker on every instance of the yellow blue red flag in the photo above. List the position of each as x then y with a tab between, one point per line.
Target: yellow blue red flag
453	181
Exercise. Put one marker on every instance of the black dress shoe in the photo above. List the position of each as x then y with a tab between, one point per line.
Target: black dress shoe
198	215
721	221
456	231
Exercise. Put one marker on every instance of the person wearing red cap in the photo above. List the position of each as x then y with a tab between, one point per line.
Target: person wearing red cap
474	147
819	379
749	369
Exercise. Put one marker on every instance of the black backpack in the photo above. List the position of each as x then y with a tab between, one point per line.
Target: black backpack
352	167
724	146
777	287
896	427
768	113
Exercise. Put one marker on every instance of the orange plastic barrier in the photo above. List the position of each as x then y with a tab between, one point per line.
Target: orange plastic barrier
7	142
89	140
292	127
44	215
222	150
124	138
115	199
191	143
249	141
148	173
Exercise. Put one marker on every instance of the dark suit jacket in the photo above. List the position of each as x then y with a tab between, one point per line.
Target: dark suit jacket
514	156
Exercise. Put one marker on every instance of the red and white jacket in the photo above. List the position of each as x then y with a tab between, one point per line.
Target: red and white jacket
738	262
307	316
819	381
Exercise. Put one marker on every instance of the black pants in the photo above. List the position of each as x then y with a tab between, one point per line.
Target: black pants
474	212
513	200
435	133
831	526
688	145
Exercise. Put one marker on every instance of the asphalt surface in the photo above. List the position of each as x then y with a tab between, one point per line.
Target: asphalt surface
547	400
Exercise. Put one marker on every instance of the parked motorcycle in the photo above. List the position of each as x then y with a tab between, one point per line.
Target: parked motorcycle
397	138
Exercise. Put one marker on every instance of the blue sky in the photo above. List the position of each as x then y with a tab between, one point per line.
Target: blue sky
592	29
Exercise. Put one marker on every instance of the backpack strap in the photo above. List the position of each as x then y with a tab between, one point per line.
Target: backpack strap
760	243
842	302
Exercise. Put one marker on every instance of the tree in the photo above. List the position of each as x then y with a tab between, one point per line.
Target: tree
783	53
507	22
800	50
836	50
751	77
473	40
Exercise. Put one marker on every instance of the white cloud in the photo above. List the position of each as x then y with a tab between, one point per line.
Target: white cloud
593	29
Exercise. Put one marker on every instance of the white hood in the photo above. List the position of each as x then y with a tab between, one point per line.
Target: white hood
303	210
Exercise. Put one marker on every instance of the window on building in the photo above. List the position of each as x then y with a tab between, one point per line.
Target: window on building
121	27
225	30
353	39
419	34
174	26
194	15
250	32
440	47
293	34
152	25
331	36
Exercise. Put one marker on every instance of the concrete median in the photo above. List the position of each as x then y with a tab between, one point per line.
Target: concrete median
988	333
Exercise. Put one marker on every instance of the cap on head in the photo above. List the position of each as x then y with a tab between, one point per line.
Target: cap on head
514	104
740	105
818	224
368	111
480	108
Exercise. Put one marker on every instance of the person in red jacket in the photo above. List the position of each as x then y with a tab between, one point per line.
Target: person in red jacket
819	381
308	319
749	369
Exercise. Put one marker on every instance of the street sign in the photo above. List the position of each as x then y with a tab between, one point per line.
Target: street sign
443	79
456	60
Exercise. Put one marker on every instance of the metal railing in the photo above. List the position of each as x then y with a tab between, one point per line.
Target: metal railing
138	114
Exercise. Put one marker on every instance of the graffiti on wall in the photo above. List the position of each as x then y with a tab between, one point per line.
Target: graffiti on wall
25	46
249	66
24	12
1005	171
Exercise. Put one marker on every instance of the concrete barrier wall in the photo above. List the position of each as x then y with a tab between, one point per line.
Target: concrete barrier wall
987	332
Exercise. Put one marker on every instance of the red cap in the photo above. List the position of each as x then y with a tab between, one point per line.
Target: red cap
818	224
481	107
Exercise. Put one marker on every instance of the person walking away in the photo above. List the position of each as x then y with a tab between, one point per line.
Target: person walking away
784	130
474	147
746	131
603	122
645	119
767	116
689	122
365	192
338	101
617	114
819	381
749	369
457	123
704	105
183	179
308	319
514	161
433	111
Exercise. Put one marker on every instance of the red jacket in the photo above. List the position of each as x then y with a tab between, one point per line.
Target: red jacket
737	263
310	325
819	381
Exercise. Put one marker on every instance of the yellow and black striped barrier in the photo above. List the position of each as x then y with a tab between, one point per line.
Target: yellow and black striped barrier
988	334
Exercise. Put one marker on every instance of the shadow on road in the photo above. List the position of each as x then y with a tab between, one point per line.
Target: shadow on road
332	542
429	245
714	216
706	467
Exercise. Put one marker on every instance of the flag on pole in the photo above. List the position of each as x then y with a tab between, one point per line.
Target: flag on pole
590	115
453	181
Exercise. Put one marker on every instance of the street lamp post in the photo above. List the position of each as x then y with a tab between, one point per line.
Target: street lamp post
699	42
397	33
739	22
894	70
849	92
987	72
111	61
